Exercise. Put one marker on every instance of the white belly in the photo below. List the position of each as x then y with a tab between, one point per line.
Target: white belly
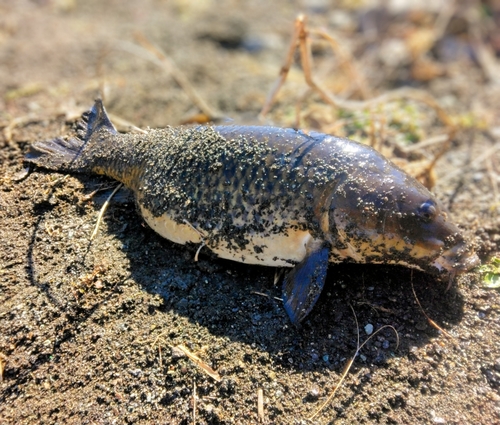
278	250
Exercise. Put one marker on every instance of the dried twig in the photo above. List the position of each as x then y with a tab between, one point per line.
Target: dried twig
348	62
16	122
492	175
200	363
122	123
301	39
266	295
431	141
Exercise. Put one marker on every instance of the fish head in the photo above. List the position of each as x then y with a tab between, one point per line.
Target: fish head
396	220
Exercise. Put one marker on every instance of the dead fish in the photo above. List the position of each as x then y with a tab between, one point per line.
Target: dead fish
269	196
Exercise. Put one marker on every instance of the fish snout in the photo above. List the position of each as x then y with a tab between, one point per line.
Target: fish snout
457	259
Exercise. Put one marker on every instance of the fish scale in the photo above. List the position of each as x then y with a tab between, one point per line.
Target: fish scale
270	196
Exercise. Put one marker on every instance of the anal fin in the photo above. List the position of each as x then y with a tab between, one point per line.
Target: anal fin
303	285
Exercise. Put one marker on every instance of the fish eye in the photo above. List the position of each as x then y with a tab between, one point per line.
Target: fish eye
427	211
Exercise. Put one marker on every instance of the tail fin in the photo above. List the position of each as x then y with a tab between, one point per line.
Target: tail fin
63	154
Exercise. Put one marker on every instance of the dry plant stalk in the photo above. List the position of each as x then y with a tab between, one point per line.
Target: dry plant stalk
171	68
350	363
103	210
301	41
200	363
300	38
3	363
195	407
260	405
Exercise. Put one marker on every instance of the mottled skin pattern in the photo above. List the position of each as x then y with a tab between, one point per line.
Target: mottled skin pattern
265	180
246	192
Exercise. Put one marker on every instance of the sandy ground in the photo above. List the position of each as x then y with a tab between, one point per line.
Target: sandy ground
89	330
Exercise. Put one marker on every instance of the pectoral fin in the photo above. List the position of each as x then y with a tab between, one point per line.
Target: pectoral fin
303	285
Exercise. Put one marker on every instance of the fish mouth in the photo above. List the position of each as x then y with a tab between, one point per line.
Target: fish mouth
457	260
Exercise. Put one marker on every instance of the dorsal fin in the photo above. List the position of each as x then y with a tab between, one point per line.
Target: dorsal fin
95	120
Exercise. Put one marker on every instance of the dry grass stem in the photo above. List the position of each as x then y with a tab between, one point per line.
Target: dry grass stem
200	363
271	97
103	210
171	68
348	62
432	322
125	125
195	404
474	163
198	251
260	405
19	121
301	39
3	363
431	141
493	176
202	237
267	296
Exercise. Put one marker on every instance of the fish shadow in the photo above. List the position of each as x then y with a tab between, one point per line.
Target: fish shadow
242	302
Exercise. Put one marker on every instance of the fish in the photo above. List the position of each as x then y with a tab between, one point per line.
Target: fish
269	196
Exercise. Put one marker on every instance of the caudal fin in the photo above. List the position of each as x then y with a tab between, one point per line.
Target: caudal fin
63	154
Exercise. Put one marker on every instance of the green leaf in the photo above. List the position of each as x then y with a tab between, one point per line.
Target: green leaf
490	273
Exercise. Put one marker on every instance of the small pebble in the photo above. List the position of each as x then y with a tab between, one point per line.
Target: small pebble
135	372
497	364
177	353
369	329
421	326
314	392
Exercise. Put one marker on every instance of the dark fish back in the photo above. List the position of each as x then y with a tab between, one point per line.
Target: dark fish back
215	177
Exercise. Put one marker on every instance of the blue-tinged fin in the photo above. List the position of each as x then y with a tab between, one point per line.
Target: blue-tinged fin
303	285
97	119
61	154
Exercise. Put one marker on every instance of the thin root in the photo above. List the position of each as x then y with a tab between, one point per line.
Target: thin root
432	322
350	363
202	237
